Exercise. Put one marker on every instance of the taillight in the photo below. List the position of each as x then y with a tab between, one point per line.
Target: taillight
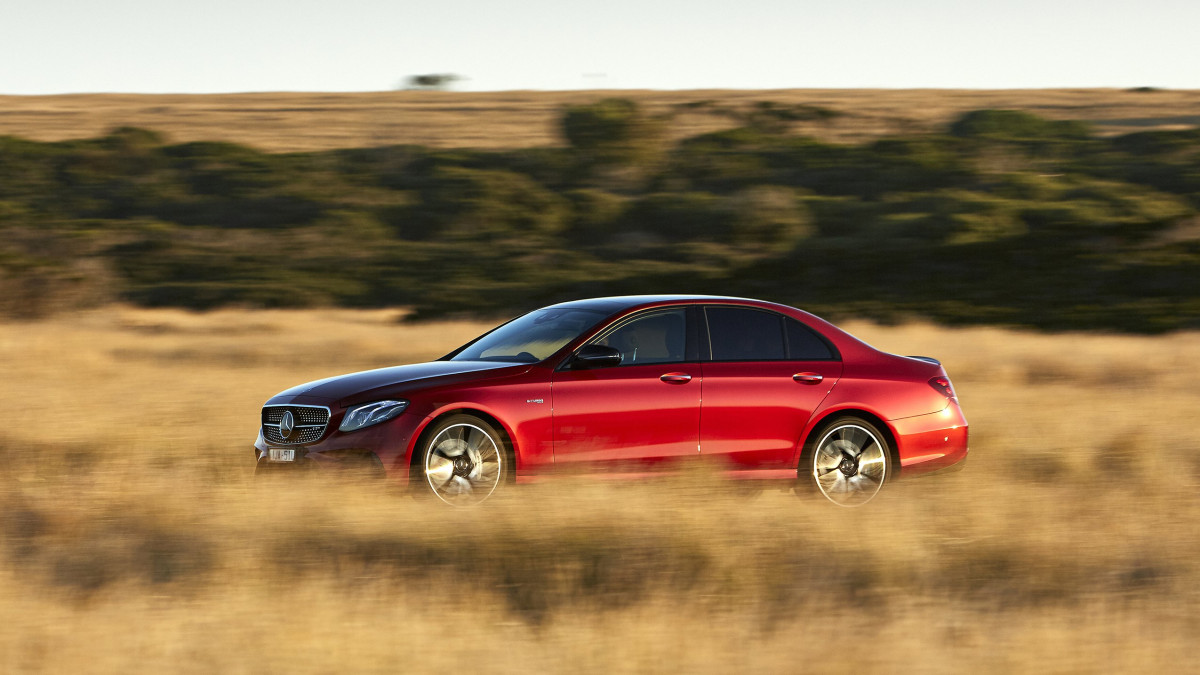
943	387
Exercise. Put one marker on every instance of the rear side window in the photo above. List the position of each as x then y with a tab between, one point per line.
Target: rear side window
804	344
741	334
745	334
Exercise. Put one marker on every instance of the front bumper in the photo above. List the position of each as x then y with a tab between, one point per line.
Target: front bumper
382	450
356	461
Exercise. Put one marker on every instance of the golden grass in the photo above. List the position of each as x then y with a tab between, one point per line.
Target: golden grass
285	122
135	540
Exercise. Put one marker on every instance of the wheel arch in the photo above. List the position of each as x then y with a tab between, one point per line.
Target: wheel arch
818	425
506	436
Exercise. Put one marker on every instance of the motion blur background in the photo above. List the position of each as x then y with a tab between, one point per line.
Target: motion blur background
171	256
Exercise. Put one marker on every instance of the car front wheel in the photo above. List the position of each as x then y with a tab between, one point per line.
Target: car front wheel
849	462
463	460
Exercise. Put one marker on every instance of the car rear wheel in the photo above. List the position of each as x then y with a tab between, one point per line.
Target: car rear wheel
849	462
463	461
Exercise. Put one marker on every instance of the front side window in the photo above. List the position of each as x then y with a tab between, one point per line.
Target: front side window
655	337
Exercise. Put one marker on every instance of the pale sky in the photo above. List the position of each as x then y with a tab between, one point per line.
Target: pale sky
158	46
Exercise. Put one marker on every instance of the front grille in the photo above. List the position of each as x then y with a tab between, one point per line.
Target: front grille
309	422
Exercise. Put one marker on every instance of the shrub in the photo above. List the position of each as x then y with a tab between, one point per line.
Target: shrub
612	131
485	205
768	217
1015	125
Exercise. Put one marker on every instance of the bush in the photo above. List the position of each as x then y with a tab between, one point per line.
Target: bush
1016	126
460	204
612	131
594	214
768	217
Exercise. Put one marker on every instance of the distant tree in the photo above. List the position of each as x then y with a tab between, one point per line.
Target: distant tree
433	81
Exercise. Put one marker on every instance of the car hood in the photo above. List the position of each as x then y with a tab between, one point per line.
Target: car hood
336	388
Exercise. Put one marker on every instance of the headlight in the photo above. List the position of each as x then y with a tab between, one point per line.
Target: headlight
371	413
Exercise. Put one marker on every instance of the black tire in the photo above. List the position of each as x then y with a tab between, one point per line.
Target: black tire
848	461
461	460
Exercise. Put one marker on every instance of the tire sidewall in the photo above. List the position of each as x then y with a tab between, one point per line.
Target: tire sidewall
807	467
419	482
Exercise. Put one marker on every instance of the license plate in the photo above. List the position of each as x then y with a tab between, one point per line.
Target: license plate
282	454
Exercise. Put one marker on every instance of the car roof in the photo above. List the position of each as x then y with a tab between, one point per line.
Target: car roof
621	302
845	342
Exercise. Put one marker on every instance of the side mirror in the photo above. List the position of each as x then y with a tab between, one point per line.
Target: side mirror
596	356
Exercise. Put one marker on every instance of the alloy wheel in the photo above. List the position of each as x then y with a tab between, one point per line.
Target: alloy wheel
850	463
463	464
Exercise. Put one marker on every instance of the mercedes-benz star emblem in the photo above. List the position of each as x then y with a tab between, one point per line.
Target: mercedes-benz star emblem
287	424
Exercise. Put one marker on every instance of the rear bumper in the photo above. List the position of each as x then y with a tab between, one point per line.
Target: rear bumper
931	442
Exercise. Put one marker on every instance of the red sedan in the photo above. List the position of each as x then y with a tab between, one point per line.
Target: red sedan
628	385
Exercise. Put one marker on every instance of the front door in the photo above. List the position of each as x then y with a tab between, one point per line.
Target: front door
640	414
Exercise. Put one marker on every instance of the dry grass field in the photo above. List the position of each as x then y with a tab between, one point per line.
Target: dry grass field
287	122
134	539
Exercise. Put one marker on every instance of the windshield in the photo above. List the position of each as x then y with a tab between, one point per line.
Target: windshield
531	338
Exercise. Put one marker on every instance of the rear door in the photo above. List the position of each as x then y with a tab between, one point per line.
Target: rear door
765	376
643	412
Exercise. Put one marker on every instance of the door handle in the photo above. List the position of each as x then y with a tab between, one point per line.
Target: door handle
676	378
808	378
